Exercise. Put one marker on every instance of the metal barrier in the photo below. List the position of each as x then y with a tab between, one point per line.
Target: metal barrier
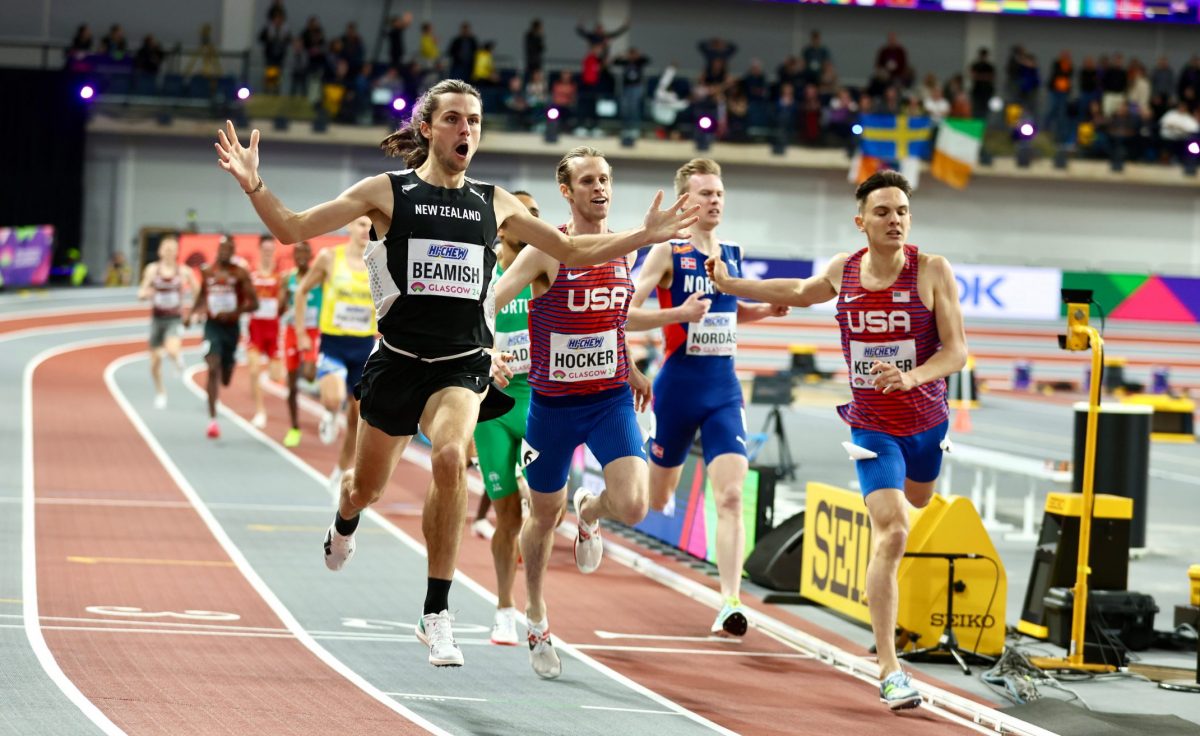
983	493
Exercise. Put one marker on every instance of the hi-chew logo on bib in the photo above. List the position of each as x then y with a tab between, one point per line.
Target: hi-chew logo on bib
715	334
515	344
440	268
863	355
583	357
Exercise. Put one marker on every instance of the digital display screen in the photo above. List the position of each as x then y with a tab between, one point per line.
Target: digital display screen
1159	11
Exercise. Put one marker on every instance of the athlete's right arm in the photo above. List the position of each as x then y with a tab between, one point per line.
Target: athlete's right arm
654	272
198	306
368	195
144	290
316	275
818	288
588	250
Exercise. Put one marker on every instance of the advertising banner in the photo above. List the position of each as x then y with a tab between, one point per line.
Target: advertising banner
25	255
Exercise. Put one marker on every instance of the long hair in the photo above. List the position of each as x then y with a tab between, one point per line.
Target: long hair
407	142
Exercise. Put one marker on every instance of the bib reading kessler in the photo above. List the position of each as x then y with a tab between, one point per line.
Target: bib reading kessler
902	354
583	357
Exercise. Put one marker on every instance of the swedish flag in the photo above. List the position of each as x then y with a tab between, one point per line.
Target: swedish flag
896	137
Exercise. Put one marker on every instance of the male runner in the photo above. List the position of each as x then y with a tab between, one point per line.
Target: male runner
498	442
262	345
347	326
696	388
584	391
225	293
431	279
902	334
163	283
299	362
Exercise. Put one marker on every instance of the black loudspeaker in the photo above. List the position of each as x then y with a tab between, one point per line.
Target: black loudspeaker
775	561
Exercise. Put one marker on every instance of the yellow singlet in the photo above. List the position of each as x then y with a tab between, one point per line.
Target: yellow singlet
347	308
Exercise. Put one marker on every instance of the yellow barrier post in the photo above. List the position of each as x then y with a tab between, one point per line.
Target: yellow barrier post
1081	336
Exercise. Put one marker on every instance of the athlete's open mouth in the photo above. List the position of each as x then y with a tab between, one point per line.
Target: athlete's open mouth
600	200
463	149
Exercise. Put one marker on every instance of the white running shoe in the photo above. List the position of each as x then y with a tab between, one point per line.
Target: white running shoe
482	528
436	630
338	549
542	656
259	420
335	482
327	430
160	401
589	550
504	629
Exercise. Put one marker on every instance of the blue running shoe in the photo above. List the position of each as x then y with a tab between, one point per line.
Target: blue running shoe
897	691
731	620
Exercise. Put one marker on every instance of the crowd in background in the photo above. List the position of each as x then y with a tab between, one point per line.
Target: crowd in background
1101	107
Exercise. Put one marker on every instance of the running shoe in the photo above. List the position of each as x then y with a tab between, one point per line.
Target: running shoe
731	620
589	550
160	401
542	656
504	629
437	631
327	430
335	482
897	691
482	528
292	438
259	420
213	430
338	549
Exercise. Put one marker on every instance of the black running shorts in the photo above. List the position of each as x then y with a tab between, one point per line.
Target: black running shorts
394	388
222	340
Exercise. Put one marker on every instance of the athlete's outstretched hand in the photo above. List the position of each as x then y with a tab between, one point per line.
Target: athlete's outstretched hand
778	310
641	387
500	370
239	160
671	223
694	307
718	272
889	378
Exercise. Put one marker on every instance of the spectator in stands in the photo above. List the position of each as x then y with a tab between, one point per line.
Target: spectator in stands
81	44
1178	127
429	50
754	82
1138	90
878	84
810	114
149	57
785	113
299	69
1059	85
1189	82
790	71
564	93
535	48
815	56
113	45
1028	81
399	25
354	51
828	83
589	89
716	51
633	89
275	9
462	53
935	104
716	78
516	103
840	117
599	37
333	89
893	59
313	39
537	92
1114	82
890	103
1162	79
483	72
1089	84
983	84
1123	130
737	113
276	40
670	99
118	273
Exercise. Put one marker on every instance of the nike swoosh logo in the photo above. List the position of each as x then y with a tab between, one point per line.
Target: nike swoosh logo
573	276
408	187
853	298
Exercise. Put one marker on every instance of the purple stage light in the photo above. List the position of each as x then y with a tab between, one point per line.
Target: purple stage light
399	104
552	113
86	92
243	93
705	123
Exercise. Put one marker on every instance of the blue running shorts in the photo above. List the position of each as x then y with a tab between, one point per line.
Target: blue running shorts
917	457
605	422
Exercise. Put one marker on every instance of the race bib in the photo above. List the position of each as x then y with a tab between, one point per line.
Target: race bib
268	308
220	302
716	334
440	268
352	317
312	316
583	357
166	300
901	353
517	345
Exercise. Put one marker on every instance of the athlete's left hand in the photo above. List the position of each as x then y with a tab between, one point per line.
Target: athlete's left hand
641	387
500	370
889	378
778	310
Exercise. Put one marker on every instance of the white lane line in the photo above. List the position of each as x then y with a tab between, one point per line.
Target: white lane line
630	710
77	327
657	637
437	698
417	457
29	585
701	652
239	559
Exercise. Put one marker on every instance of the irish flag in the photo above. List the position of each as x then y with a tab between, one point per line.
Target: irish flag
957	151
